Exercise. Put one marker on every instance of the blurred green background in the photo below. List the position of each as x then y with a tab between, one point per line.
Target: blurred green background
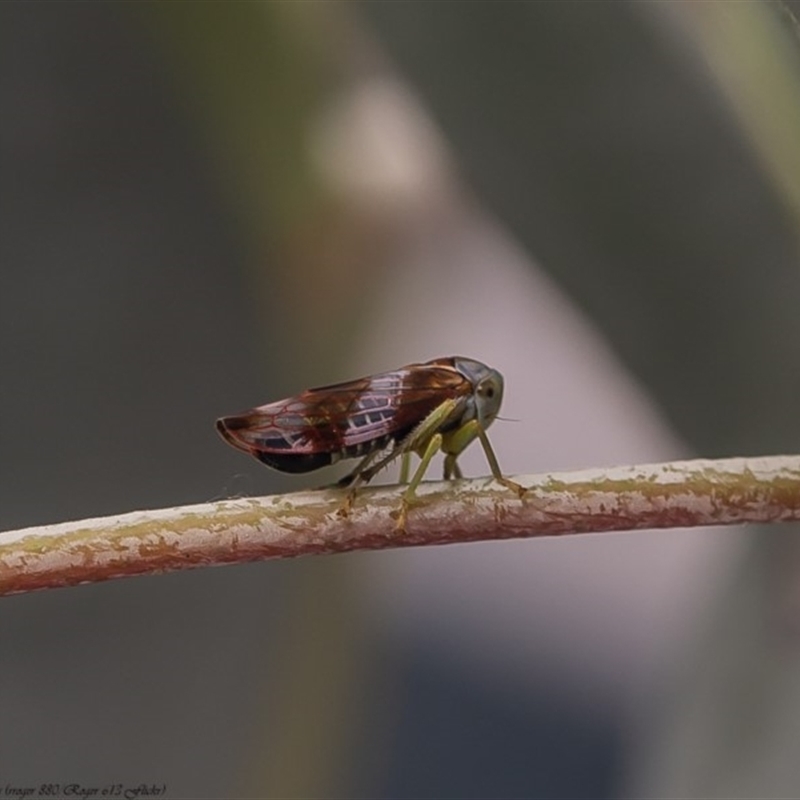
207	206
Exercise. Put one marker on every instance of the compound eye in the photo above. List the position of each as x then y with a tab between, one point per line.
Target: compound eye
487	390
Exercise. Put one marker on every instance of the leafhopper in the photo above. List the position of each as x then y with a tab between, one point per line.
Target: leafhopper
440	405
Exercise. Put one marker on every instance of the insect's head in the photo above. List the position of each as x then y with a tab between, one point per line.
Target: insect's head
487	393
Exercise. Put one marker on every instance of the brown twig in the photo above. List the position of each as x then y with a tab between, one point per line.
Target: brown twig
677	494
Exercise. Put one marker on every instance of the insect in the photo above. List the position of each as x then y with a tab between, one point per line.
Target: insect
440	405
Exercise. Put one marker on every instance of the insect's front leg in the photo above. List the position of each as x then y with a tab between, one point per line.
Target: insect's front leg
459	439
495	467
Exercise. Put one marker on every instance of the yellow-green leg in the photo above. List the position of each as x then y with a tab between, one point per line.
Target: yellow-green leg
434	445
423	436
451	468
456	441
405	467
495	467
420	437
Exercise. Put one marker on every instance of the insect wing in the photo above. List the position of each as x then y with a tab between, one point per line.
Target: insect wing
319	425
302	425
392	404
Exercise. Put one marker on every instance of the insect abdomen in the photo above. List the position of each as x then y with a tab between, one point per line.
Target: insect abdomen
308	462
295	462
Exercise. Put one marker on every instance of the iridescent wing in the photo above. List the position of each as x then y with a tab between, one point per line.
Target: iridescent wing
344	420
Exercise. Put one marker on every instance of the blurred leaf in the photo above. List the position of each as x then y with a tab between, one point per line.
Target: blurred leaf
594	132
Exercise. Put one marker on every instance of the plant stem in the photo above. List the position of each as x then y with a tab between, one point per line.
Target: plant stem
676	494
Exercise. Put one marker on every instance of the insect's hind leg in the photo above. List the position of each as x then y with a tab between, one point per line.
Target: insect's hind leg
364	474
355	473
354	479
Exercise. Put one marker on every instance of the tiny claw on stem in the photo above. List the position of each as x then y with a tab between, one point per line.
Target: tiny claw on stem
520	491
347	506
400	517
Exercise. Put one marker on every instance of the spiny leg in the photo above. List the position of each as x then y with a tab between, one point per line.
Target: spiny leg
353	479
422	436
363	474
354	474
419	438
